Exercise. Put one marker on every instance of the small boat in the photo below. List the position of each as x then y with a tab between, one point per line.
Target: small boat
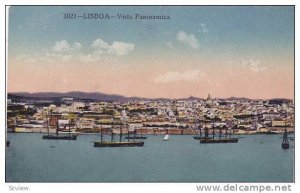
166	138
285	142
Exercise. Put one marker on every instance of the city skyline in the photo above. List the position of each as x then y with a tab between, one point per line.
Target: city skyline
198	50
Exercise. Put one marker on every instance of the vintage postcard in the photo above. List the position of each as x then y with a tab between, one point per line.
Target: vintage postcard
150	94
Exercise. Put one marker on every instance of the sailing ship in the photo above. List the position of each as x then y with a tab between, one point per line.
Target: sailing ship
54	121
120	143
213	139
285	142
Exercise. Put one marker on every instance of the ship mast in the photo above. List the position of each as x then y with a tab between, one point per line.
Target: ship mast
69	129
206	132
112	135
200	132
127	132
57	127
120	133
49	121
231	131
213	130
134	133
285	143
101	134
285	135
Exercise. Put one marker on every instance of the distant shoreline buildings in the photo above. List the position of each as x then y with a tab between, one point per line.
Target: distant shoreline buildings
179	117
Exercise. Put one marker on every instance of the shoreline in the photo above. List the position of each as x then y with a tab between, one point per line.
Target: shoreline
147	134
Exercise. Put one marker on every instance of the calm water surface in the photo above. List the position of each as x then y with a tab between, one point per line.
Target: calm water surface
256	158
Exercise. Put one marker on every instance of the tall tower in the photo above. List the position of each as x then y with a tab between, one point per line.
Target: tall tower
209	100
208	97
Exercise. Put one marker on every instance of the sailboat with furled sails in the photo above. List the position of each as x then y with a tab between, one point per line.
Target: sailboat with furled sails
120	143
285	142
214	139
53	121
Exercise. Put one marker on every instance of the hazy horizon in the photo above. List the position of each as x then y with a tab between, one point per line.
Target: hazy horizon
227	51
185	97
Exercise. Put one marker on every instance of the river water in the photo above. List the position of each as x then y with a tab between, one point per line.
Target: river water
255	158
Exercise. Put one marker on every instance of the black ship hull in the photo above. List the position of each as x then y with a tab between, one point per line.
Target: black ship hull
62	137
285	142
198	137
210	140
119	144
285	146
268	133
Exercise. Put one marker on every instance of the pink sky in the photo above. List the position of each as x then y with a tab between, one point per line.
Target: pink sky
160	77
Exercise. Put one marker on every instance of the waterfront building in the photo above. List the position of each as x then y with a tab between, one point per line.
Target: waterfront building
278	123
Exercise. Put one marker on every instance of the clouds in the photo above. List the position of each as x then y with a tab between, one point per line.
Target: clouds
120	48
88	57
76	46
102	50
116	48
187	76
64	51
175	76
98	47
191	40
256	67
99	44
63	46
188	39
253	65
